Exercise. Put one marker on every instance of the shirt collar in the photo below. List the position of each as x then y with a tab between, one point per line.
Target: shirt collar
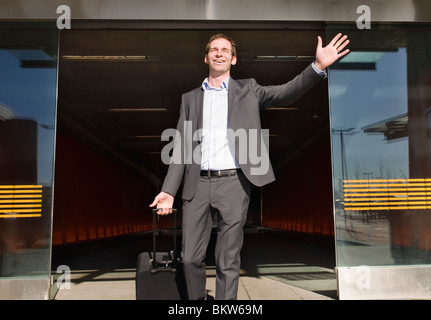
224	85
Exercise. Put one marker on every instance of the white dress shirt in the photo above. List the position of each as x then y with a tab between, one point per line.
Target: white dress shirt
217	152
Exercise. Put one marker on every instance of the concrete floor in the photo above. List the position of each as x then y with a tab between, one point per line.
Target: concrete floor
275	266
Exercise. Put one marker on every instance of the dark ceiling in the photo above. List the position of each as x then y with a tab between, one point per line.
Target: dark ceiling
89	88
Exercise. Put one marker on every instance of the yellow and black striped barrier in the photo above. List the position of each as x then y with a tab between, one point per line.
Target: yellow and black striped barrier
20	201
387	194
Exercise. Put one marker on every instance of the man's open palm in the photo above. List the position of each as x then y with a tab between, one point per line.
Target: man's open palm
326	56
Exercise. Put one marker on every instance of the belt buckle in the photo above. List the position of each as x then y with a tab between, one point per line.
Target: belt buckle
218	173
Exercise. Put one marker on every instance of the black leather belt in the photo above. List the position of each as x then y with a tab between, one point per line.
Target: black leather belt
219	173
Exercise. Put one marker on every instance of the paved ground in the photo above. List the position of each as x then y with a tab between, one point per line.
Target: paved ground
275	267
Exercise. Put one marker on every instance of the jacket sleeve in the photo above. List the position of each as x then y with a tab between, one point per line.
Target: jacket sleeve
286	94
176	168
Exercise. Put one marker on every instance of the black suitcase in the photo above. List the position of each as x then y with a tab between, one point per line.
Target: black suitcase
159	275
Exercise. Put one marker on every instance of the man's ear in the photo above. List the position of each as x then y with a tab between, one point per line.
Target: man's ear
206	59
234	60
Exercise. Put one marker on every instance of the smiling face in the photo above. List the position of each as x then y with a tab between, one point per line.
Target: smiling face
220	58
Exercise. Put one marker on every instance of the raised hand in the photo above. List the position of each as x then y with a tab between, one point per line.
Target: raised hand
326	56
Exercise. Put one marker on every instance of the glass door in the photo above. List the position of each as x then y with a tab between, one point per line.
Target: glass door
379	105
28	87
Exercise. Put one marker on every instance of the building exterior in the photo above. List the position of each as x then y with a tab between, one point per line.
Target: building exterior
371	122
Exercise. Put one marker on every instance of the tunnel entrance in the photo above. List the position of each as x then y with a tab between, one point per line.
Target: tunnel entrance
120	87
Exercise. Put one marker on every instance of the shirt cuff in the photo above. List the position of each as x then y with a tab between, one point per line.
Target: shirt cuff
321	73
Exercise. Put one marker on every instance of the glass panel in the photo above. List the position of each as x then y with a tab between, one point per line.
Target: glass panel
28	84
379	103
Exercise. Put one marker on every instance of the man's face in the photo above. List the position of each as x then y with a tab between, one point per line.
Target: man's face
219	57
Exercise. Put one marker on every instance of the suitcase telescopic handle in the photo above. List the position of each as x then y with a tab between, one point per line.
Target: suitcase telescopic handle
174	211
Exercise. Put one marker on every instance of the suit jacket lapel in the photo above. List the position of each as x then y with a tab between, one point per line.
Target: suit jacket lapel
231	101
199	108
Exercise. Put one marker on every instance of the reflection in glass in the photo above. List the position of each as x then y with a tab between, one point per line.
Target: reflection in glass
28	72
380	149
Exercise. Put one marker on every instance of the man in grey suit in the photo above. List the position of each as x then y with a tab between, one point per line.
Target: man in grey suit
219	138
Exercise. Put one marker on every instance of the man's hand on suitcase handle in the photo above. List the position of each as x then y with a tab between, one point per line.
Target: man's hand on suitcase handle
159	210
164	202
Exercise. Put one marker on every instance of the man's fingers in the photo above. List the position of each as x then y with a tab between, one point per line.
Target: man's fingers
154	202
335	39
339	42
343	45
342	54
164	211
319	42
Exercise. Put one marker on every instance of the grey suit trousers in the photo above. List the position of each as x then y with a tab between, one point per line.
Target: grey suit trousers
230	197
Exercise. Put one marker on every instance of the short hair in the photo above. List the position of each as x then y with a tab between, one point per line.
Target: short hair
221	36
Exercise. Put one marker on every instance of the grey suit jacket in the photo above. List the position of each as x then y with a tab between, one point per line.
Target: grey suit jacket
245	101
